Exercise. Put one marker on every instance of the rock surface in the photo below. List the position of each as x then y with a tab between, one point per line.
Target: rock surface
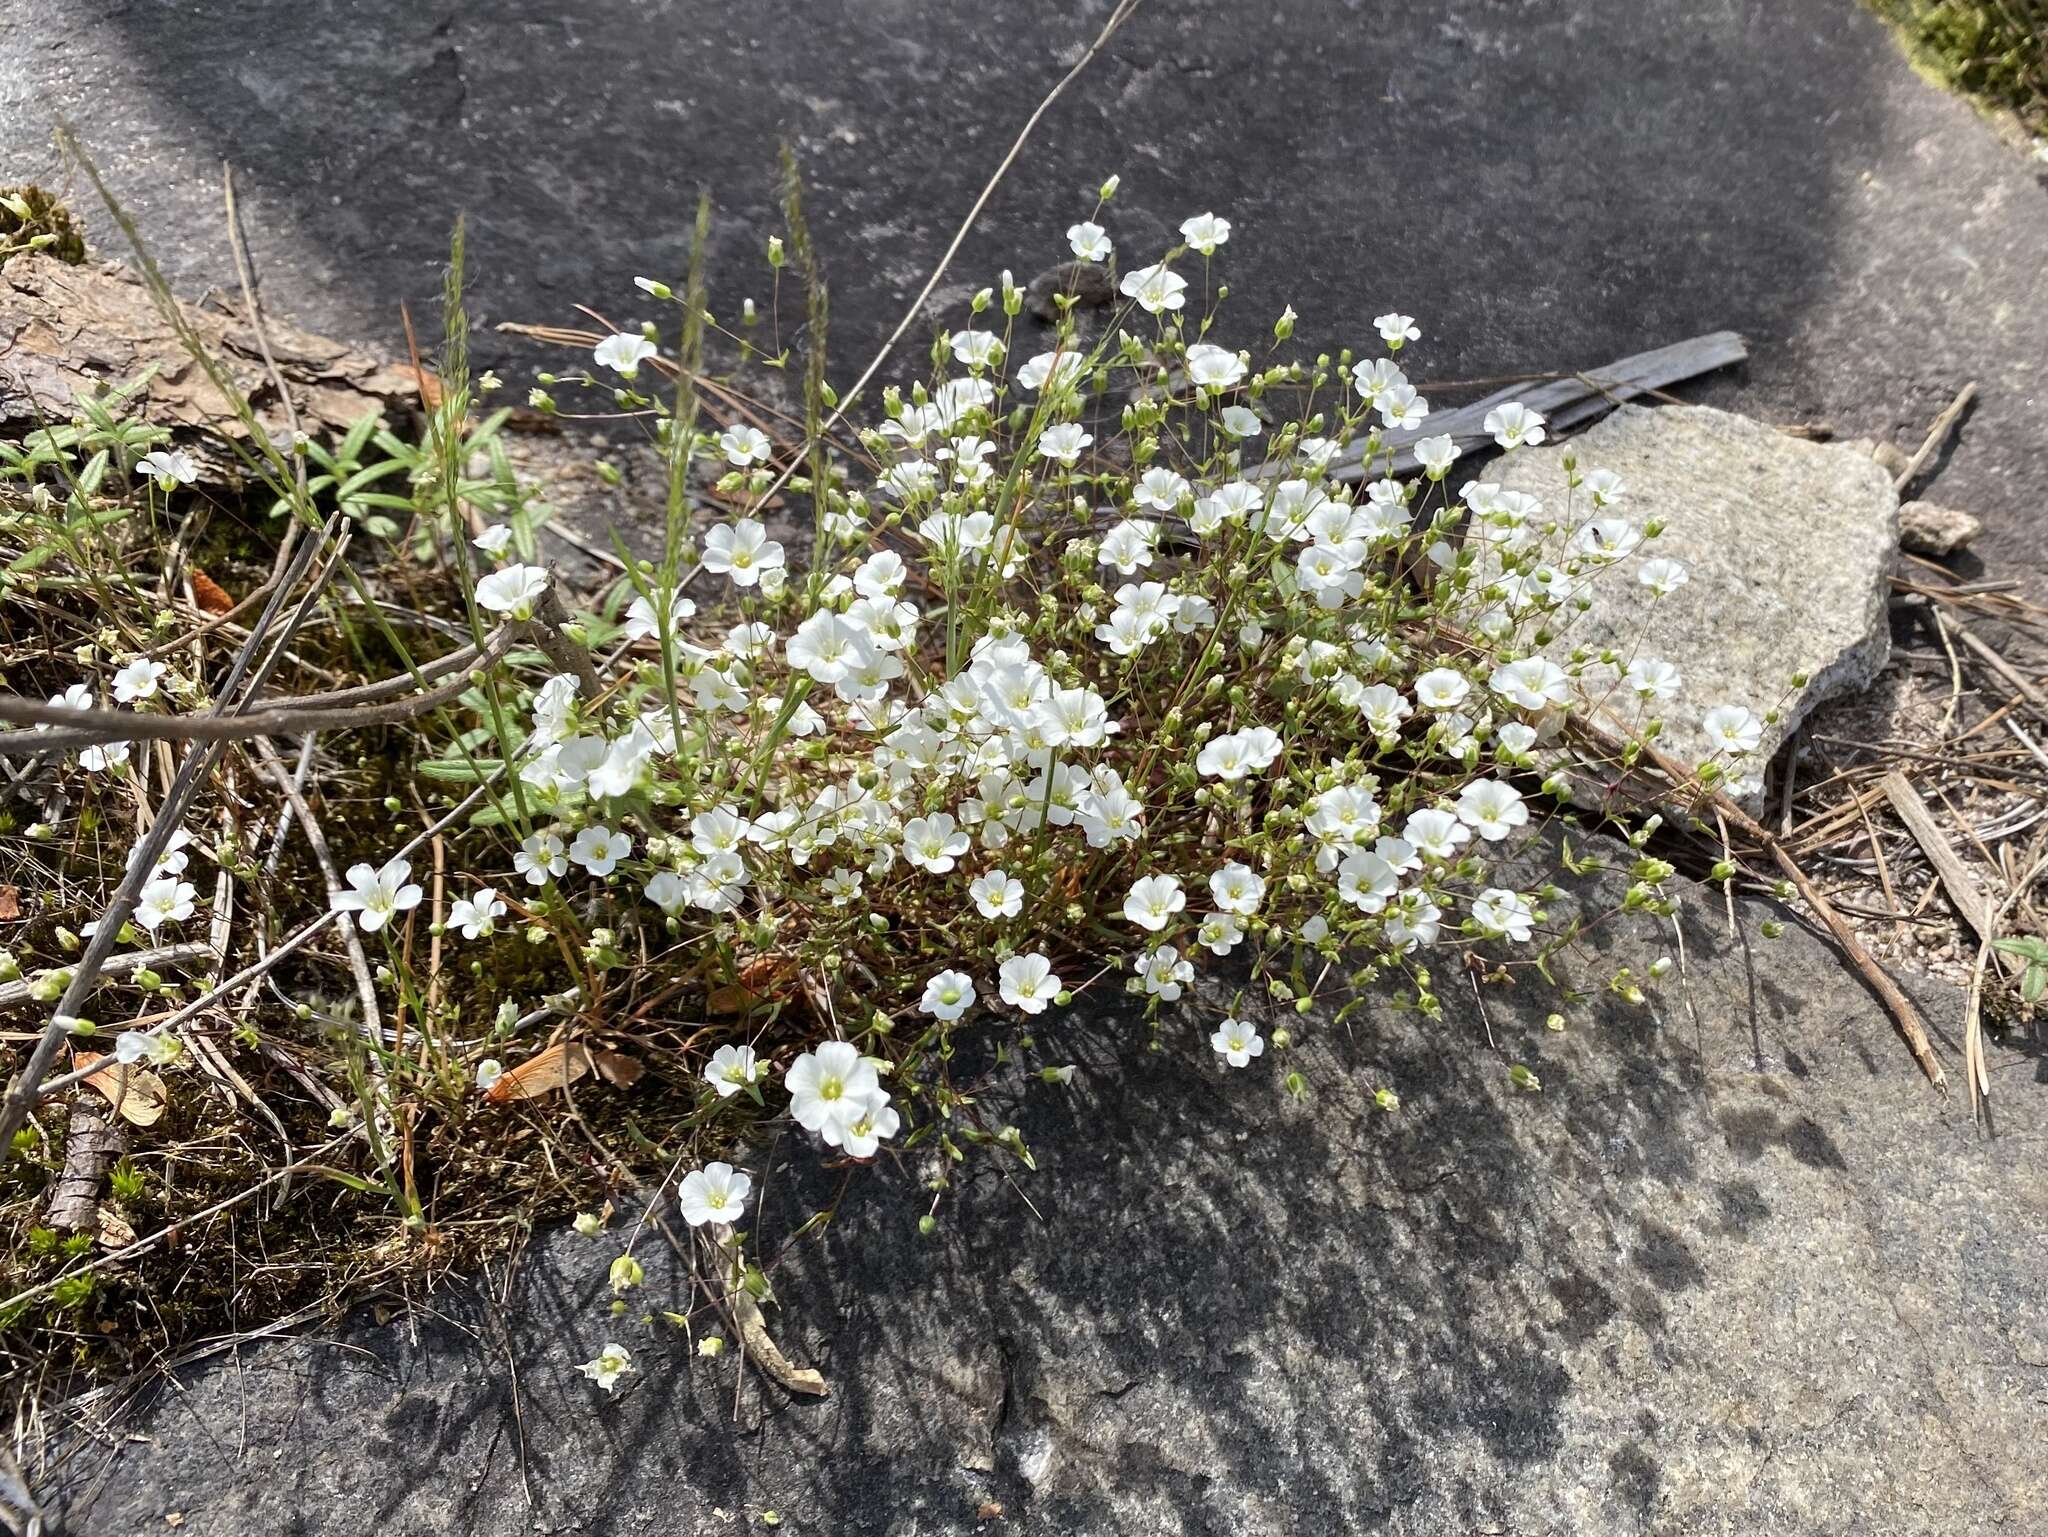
1771	166
1928	529
1788	546
1735	1269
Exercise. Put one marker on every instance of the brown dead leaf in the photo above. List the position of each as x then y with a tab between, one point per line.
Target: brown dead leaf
991	1510
211	597
10	903
618	1069
762	980
137	1094
551	1068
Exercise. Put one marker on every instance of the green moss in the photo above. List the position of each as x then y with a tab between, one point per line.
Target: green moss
33	220
1993	50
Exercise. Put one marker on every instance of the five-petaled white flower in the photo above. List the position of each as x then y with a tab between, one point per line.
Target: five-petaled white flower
744	445
948	995
830	1087
1238	888
1514	425
731	1069
169	467
933	843
512	590
715	1193
1237	1041
997	895
541	855
1663	577
1396	330
623	351
1205	232
164	900
1155	288
1027	982
1503	914
611	1364
1089	241
377	895
478	915
1732	729
598	849
1492	809
495	539
741	551
488	1072
138	680
1153	900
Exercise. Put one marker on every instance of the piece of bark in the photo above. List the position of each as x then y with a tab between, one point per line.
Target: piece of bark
70	330
1927	528
91	1147
1566	402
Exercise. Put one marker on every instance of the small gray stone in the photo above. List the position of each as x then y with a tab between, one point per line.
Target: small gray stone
1787	544
1926	528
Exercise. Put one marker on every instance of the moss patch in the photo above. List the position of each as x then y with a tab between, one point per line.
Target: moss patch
1993	50
33	220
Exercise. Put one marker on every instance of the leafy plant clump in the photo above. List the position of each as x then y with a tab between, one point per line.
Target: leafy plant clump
1087	668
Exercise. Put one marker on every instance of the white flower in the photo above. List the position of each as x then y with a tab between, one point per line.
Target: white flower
830	1087
1153	900
934	843
377	895
1127	545
1162	973
540	856
488	1072
643	619
1605	487
1161	489
842	885
612	1363
1156	289
1514	424
1436	834
598	849
948	995
1238	1041
512	590
731	1069
1213	367
998	895
164	900
1240	422
1649	677
1502	913
1238	889
476	916
1534	683
1492	809
1436	455
715	1193
743	445
1396	330
861	1137
741	551
170	466
1219	933
1732	729
137	680
1063	442
495	539
1441	688
1400	406
1205	232
1027	982
1089	241
624	351
1057	369
977	349
1663	577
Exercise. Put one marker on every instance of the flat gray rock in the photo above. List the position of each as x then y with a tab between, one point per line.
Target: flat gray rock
1788	546
1735	1269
